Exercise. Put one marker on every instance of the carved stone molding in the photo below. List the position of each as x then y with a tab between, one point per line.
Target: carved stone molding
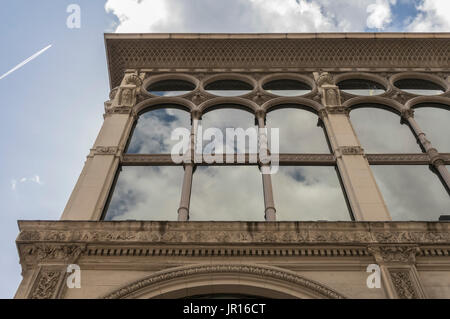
242	270
234	232
105	150
46	284
133	79
386	159
325	78
49	252
394	254
348	150
402	282
110	109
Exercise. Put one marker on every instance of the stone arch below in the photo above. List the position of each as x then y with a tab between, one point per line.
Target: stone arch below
254	280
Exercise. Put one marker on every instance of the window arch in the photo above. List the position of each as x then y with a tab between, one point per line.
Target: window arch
379	130
419	86
228	87
153	129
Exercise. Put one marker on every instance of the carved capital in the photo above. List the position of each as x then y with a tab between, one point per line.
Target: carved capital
105	150
133	79
394	254
407	113
325	78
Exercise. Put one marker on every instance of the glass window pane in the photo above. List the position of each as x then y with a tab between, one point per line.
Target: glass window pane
412	192
361	87
228	88
171	88
380	131
287	87
298	131
153	130
146	193
227	193
217	121
419	87
309	193
435	123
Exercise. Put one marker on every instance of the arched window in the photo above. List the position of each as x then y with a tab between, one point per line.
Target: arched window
419	87
152	132
380	131
434	120
146	193
287	87
228	88
361	87
299	131
170	87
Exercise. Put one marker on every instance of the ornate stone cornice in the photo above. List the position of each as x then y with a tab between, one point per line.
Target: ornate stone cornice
235	232
394	254
269	273
282	51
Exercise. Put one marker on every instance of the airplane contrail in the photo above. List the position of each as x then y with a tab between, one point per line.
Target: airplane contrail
18	66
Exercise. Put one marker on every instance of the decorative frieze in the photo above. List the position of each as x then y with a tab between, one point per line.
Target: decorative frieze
46	285
404	287
348	150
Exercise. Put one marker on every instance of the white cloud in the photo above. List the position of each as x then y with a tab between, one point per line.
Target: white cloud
380	14
434	15
239	15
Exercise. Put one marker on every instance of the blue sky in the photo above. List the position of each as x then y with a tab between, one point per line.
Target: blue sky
53	106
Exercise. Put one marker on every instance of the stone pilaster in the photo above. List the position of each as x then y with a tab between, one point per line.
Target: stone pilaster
399	275
92	188
364	197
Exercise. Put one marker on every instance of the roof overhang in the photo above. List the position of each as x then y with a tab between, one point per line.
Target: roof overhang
283	51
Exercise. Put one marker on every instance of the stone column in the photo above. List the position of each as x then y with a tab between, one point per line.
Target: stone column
91	191
269	204
436	160
363	194
399	276
183	210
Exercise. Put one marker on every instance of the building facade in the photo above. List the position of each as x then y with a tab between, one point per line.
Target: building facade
363	182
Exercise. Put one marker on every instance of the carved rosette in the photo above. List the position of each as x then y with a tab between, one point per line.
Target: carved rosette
402	282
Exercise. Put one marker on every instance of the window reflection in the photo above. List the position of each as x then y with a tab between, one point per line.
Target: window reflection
287	87
419	87
435	123
361	87
146	193
171	88
217	121
380	131
309	193
153	130
412	192
227	193
229	88
298	131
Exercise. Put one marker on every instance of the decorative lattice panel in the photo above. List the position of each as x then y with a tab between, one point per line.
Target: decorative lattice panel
275	53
